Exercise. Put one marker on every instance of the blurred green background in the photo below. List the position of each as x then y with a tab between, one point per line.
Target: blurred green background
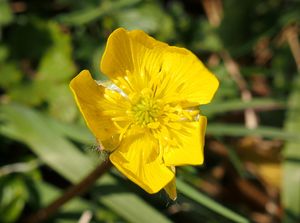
252	165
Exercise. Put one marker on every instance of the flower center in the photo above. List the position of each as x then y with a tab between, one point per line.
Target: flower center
145	111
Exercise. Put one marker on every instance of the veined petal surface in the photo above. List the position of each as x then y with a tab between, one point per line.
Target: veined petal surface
134	61
188	144
131	58
138	158
99	106
187	79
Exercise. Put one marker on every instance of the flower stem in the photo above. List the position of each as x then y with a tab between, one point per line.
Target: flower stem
73	191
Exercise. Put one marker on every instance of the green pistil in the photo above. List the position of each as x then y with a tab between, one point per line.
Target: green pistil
145	111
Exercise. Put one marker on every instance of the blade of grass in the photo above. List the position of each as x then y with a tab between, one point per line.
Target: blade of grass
204	200
221	129
291	166
237	104
84	16
236	162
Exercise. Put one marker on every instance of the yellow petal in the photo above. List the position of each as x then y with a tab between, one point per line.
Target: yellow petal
96	103
189	144
170	188
187	79
138	159
131	58
134	61
117	56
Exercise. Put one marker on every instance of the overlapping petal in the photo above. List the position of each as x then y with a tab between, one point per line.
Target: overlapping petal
188	148
187	79
138	158
131	58
170	188
98	106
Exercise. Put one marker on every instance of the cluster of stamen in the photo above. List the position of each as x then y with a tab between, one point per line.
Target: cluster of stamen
145	111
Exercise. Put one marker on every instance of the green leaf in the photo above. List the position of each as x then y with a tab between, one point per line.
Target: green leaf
208	202
11	75
12	198
142	18
136	212
56	63
30	93
3	52
206	37
291	166
49	144
290	17
6	15
218	129
61	103
31	129
87	15
237	104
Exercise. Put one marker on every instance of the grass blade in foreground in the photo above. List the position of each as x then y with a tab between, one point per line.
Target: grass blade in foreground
223	129
237	104
62	156
291	166
202	199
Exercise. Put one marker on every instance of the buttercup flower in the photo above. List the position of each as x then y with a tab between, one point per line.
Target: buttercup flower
146	117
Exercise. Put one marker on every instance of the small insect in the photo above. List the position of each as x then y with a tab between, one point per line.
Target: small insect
99	147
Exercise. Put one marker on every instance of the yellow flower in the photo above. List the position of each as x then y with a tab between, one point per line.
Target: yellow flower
147	116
